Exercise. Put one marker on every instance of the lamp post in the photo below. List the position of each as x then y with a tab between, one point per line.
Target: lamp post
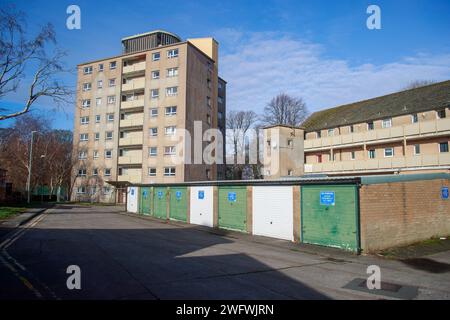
30	163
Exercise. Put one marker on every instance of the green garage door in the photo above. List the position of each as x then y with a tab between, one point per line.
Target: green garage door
233	208
160	202
178	204
329	215
145	201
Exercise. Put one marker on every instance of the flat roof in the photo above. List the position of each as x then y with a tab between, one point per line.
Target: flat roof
151	32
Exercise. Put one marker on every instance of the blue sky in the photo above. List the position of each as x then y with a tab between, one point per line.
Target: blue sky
319	50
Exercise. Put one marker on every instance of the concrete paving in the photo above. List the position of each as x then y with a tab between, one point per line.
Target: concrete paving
126	257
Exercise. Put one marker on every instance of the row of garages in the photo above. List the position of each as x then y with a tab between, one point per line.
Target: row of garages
325	212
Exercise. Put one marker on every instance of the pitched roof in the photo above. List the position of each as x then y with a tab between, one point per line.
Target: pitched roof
430	97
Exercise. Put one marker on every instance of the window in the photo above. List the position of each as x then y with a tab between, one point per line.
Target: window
121	171
290	172
440	114
372	154
112	82
330	132
81	190
208	119
84	120
153	132
153	112
208	174
95	154
388	152
109	135
171	111
97	118
154	93
171	91
87	70
107	172
111	99
173	53
82	155
208	83
370	126
82	172
155	74
112	65
208	101
87	86
318	134
110	117
86	103
169	171
220	85
170	131
443	147
122	134
122	152
414	118
353	155
97	136
156	56
99	84
95	172
416	149
100	67
152	172
352	129
170	150
220	100
98	101
108	154
290	143
386	123
106	190
84	137
93	190
152	151
172	72
319	158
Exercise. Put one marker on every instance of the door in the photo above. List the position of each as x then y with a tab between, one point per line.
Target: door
160	202
178	204
273	212
233	208
145	201
202	204
132	199
329	216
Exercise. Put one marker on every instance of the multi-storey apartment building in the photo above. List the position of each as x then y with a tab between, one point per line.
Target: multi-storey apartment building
132	107
408	131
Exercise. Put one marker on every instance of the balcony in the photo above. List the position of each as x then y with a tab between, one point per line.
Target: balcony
135	67
131	104
135	84
133	121
410	131
131	157
441	159
131	140
134	178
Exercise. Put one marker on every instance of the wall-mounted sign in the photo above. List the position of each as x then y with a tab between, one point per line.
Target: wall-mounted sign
444	193
160	194
327	198
145	194
132	192
178	195
232	196
201	194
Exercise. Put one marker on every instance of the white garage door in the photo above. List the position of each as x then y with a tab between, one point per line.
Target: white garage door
273	212
202	206
132	199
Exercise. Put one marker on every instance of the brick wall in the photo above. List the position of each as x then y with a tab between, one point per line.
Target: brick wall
401	213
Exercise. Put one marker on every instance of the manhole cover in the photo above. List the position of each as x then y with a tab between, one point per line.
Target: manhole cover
387	289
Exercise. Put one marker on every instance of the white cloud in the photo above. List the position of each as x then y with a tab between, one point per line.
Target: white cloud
257	66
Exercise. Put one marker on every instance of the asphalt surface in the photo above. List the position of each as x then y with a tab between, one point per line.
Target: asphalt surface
126	257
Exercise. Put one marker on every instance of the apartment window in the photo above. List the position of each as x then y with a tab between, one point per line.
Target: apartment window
81	190
155	74
97	118
172	72
82	155
100	67
171	91
414	118
440	114
111	99
98	101
84	137
95	172
220	100
96	154
153	112
386	123
173	53
156	56
122	152
388	152
110	117
86	103
87	86
154	93
122	134
93	190
152	172
208	101
443	147
87	70
153	132
106	190
107	172
220	85
372	154
152	151
208	83
370	126
318	134
84	120
112	82
108	154
82	172
290	143
416	149
109	135
353	155
208	119
169	171
352	129
171	111
121	171
290	172
319	158
208	174
112	65
99	84
170	150
330	132
97	136
170	131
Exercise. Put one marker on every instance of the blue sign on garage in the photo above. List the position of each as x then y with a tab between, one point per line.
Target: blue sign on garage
160	194
178	195
444	193
145	194
327	198
201	194
232	196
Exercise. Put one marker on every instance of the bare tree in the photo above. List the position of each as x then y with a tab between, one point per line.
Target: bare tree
20	55
418	83
284	109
